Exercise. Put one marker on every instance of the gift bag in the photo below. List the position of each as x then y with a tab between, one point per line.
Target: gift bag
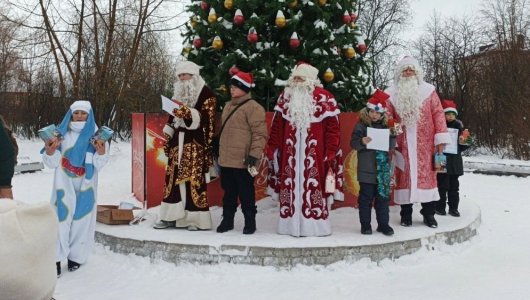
330	181
440	163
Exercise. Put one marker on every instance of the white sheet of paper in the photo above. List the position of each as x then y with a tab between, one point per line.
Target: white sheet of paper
380	138
169	105
452	148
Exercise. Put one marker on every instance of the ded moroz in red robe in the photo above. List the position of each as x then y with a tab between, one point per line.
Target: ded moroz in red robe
301	162
415	148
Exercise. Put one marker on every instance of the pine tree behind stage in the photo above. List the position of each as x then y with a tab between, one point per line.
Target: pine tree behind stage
268	37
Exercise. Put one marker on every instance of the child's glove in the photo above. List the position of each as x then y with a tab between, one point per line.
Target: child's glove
250	161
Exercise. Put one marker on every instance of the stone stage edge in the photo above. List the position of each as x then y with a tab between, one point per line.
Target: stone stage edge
267	248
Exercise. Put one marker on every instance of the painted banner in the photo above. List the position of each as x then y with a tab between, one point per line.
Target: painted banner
149	162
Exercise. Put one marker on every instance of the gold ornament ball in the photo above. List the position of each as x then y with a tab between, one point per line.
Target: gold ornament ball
280	22
186	50
212	18
229	4
193	22
293	4
322	2
353	25
217	44
223	89
329	76
350	52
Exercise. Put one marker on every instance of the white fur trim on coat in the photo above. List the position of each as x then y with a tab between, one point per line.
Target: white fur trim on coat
169	130
442	138
195	119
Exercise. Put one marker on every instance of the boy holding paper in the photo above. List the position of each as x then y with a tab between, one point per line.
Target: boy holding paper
373	168
448	184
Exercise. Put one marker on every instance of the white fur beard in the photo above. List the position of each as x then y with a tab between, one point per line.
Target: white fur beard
301	106
408	104
186	91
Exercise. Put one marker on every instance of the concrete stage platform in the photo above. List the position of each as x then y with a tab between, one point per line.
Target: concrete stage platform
267	248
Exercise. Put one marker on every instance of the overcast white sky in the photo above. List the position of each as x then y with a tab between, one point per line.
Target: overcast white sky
423	10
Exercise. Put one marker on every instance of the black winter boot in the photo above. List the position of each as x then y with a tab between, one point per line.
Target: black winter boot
366	228
406	221
250	223
73	266
227	223
454	212
430	221
406	215
385	229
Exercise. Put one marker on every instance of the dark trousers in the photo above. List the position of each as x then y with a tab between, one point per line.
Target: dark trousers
368	195
448	187
237	183
427	209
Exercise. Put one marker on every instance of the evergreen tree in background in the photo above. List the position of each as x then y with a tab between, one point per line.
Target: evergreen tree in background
268	37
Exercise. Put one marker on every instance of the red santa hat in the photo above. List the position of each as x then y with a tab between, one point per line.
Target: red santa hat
306	71
244	81
378	101
449	106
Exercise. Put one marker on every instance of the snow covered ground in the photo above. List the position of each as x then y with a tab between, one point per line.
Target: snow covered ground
495	264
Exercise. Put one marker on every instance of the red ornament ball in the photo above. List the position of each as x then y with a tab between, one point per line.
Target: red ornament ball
233	70
197	43
252	37
362	48
239	20
294	43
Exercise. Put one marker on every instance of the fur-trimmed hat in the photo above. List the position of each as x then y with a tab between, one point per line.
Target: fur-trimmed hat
408	62
187	67
28	233
449	106
306	71
81	105
244	81
378	101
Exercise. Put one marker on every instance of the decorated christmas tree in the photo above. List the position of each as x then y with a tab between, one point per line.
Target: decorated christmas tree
268	37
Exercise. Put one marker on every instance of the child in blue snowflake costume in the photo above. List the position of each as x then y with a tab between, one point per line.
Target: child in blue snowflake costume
76	162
